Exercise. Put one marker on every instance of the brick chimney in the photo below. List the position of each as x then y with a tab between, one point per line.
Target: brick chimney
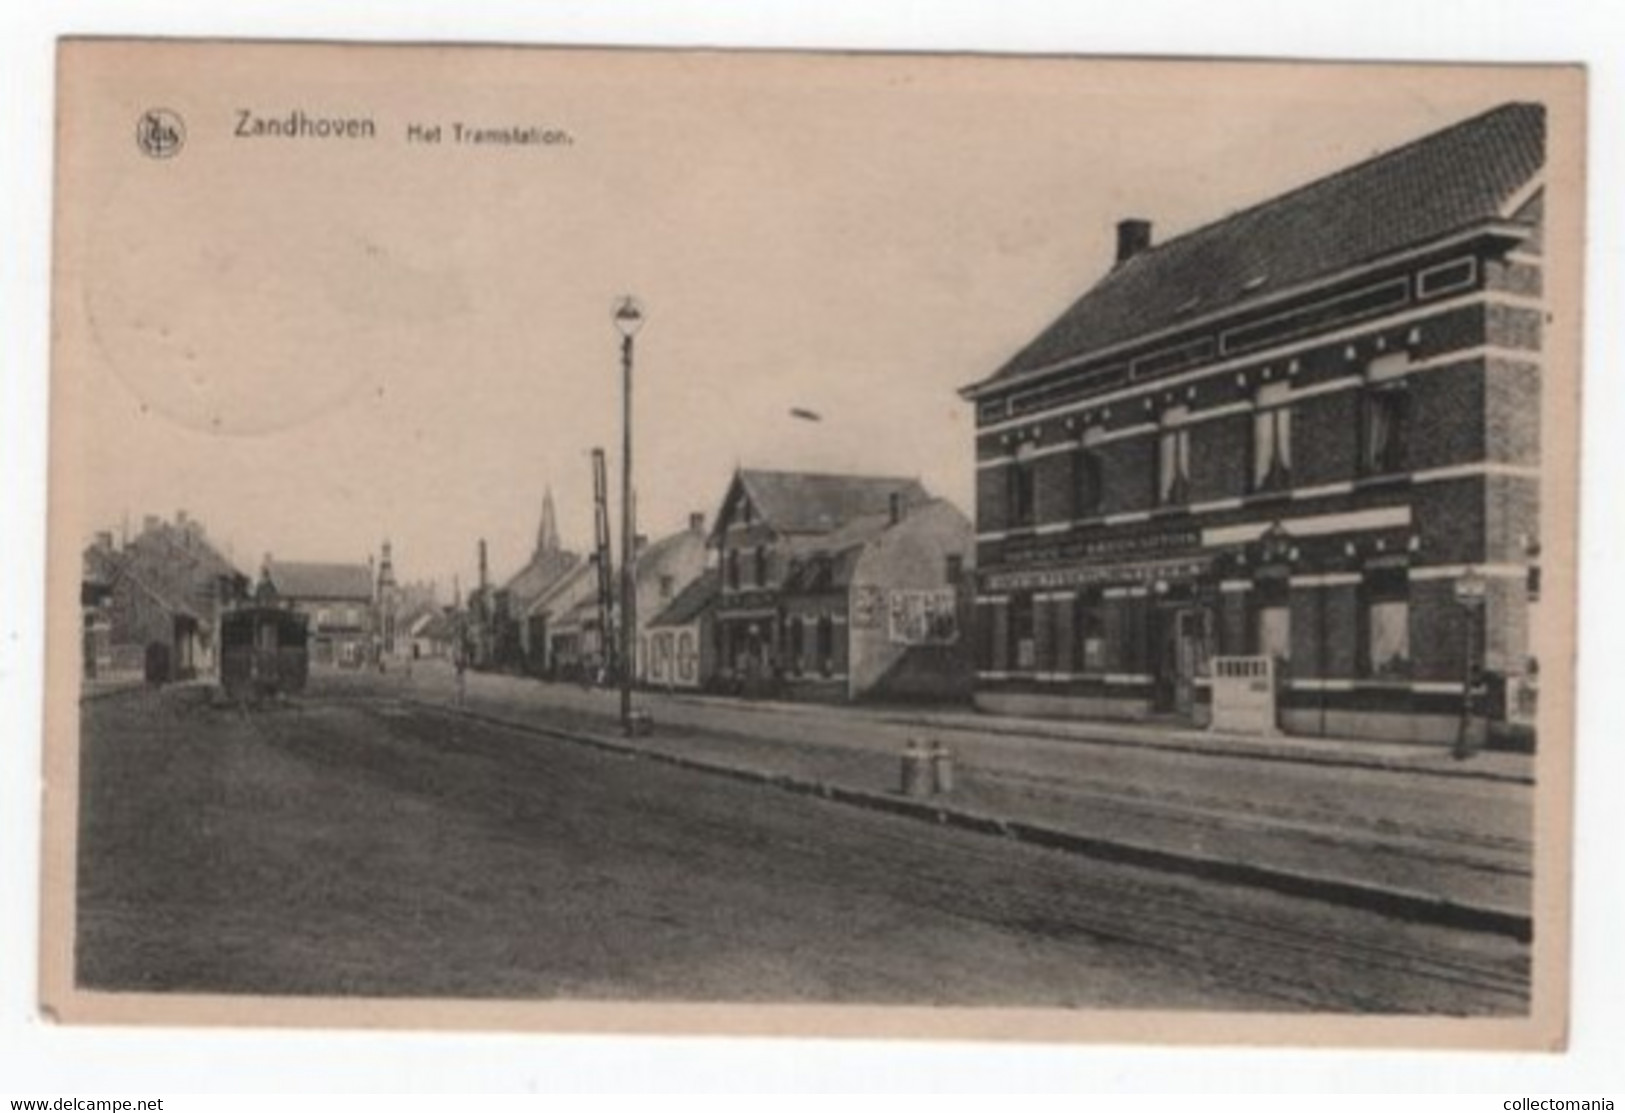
1133	237
696	523
899	509
104	540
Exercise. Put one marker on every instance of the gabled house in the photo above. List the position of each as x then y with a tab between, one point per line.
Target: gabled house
810	567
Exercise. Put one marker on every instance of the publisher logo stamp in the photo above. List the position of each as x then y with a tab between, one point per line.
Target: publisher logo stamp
160	133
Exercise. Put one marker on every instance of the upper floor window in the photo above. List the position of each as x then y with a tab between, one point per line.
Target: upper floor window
733	568
1022	494
761	566
1384	416
1086	483
667	585
1272	440
1174	459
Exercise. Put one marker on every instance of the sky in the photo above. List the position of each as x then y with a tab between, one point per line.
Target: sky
315	345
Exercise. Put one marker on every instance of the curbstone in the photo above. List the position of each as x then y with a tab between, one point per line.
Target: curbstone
1400	903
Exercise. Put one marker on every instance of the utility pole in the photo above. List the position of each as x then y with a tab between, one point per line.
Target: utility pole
628	319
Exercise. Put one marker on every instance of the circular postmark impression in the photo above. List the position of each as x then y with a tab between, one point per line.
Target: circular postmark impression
160	133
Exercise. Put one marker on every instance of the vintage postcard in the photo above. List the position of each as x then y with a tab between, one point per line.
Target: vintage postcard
733	542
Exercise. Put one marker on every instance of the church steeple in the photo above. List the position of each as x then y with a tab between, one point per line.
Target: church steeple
547	534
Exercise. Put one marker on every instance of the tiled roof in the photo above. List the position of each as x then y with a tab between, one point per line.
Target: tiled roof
809	502
443	627
309	580
691	602
531	582
179	567
1436	185
557	596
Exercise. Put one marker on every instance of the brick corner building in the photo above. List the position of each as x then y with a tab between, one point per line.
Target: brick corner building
1307	433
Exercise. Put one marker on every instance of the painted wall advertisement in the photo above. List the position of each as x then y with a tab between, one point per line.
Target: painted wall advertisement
923	616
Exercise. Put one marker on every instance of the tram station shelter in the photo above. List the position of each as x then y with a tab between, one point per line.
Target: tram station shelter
1307	432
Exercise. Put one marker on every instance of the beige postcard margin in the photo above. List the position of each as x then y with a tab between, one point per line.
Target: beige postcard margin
100	86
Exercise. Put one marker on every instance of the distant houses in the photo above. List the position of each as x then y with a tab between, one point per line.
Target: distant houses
152	607
337	599
519	641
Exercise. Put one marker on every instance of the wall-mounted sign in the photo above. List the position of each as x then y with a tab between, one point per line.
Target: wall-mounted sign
1040	550
1092	575
868	607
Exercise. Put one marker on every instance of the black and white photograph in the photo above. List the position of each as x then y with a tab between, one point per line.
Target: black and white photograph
589	540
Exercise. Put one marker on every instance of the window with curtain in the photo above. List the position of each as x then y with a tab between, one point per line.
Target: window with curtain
1386	626
1383	413
1272	448
1173	467
1390	641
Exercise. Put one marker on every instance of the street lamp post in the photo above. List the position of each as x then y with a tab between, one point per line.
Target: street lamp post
628	319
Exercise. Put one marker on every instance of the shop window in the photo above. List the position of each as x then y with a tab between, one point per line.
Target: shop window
1086	484
1272	447
826	645
1386	627
1023	644
1090	625
1173	461
1021	493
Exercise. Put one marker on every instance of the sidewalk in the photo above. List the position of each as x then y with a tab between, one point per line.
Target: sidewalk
1354	753
1382	830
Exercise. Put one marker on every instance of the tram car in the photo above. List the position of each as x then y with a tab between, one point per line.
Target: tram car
264	651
